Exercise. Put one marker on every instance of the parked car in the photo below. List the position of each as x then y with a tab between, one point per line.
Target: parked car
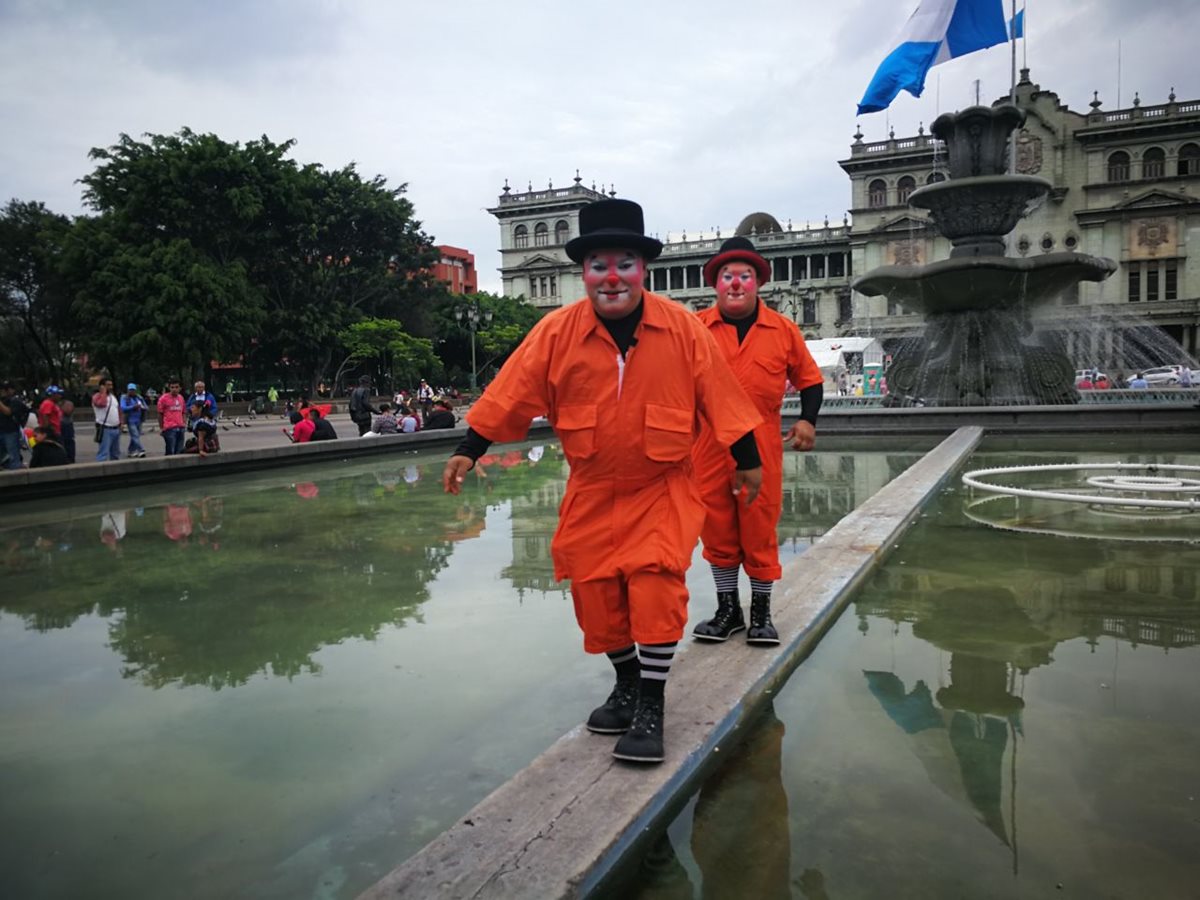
1162	376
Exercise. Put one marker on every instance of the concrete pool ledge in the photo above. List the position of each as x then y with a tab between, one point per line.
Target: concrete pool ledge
561	826
31	484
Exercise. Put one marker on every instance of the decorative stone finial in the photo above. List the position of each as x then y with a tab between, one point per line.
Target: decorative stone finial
577	178
1095	104
593	184
920	129
549	184
789	224
826	220
1171	96
718	232
858	135
506	187
892	133
1137	101
530	187
845	220
612	190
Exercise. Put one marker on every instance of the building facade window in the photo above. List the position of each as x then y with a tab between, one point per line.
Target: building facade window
817	267
837	265
799	267
1170	280
676	278
533	286
520	237
904	187
561	231
1154	163
541	235
1135	282
845	308
1152	282
779	267
810	311
553	286
1189	159
877	193
660	279
1118	166
694	276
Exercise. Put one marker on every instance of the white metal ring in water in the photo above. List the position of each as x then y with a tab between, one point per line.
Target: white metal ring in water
1113	490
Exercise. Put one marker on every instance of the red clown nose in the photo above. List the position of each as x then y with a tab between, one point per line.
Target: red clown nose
612	280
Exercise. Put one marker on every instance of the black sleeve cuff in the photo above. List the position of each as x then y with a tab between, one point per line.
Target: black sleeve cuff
474	445
745	452
810	403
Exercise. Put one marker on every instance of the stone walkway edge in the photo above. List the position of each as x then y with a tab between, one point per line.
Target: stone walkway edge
561	826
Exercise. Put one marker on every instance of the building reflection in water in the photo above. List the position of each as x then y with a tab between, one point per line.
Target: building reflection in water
946	588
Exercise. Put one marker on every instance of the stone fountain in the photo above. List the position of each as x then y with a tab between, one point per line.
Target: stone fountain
979	347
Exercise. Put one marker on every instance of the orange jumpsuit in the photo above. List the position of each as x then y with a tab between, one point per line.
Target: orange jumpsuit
772	354
632	512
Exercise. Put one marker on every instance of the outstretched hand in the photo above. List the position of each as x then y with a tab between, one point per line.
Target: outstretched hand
750	479
802	436
456	470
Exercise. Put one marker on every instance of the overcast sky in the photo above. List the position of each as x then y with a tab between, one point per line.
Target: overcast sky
702	111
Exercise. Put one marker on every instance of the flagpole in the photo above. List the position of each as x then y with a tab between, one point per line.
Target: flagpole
1024	35
1012	90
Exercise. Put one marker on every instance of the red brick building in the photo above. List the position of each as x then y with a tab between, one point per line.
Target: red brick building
457	269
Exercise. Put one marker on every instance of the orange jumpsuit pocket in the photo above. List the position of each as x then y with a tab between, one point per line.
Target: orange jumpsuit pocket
668	432
576	427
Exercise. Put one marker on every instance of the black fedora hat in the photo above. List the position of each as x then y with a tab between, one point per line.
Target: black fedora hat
612	223
737	249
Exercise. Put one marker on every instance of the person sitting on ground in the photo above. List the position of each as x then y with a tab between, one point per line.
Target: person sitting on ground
322	427
409	423
204	430
47	451
442	415
385	422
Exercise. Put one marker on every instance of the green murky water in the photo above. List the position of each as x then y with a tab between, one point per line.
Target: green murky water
283	684
999	714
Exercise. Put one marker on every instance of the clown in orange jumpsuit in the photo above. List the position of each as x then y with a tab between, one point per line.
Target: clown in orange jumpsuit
765	351
626	378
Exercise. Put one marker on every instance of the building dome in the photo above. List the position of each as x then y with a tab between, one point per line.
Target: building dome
758	223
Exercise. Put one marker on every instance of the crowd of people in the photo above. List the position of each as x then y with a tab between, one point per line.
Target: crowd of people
44	426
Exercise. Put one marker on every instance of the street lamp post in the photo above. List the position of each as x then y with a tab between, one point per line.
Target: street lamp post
473	319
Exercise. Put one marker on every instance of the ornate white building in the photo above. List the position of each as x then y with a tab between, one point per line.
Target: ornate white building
1126	185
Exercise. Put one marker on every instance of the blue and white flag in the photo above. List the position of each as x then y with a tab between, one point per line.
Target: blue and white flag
938	31
1016	26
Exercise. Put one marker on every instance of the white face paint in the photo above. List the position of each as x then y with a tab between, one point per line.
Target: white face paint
737	290
614	280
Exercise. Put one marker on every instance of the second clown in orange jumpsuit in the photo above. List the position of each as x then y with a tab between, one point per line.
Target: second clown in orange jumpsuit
765	351
626	378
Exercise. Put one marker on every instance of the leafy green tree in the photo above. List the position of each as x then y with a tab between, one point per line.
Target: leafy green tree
512	319
355	252
35	303
393	350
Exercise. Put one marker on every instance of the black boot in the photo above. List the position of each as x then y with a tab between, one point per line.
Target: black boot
643	742
761	630
727	621
617	712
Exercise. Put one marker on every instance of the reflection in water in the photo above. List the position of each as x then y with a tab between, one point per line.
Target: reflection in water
323	738
998	714
300	566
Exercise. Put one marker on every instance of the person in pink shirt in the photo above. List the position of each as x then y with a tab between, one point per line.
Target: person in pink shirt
171	411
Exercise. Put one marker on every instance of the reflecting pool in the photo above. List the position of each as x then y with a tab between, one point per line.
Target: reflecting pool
999	713
283	684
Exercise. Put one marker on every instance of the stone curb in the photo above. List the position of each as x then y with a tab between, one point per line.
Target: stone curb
561	826
32	484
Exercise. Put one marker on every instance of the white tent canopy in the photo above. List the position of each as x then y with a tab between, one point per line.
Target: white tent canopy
830	353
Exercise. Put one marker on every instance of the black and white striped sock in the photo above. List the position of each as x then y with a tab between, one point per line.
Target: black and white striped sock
655	661
760	587
725	579
625	661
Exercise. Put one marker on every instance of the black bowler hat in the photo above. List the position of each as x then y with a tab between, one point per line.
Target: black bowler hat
612	223
737	249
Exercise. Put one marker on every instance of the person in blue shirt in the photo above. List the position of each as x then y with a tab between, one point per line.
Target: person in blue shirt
133	409
205	398
1138	383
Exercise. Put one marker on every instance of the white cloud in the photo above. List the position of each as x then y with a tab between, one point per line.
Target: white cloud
702	111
